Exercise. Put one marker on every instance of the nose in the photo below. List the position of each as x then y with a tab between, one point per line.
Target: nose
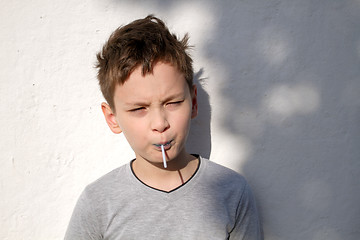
159	122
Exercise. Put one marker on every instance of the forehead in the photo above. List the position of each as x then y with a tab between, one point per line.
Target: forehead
165	80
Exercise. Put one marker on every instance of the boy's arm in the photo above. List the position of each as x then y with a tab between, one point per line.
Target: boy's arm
247	226
84	223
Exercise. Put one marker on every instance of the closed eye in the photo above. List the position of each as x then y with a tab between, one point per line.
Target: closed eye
137	109
176	103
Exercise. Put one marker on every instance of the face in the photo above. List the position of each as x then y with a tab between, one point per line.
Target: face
154	110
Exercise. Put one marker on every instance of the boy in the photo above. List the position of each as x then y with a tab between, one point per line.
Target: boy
146	77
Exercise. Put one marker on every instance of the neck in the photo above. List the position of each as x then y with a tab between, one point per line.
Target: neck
176	174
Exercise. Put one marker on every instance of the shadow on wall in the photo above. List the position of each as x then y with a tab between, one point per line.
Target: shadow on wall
199	140
290	66
292	91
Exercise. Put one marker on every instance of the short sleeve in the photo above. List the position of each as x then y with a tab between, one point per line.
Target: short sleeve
247	226
84	223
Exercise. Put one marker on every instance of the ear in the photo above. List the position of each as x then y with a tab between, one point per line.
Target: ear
194	111
110	118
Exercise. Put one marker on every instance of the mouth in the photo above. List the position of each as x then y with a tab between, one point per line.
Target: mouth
167	145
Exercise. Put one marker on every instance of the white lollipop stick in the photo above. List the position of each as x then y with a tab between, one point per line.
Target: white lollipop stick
163	154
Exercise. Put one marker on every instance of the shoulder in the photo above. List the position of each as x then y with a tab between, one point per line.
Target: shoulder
223	179
115	179
219	172
236	194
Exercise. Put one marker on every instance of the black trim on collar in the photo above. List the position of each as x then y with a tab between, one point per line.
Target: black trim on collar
197	169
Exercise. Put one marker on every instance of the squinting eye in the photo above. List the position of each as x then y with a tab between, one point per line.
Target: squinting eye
176	103
137	109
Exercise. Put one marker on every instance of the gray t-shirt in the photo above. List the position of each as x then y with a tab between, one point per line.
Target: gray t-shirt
216	203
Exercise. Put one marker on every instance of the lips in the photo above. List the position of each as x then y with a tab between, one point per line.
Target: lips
167	145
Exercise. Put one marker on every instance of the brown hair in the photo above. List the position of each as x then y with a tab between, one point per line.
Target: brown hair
143	42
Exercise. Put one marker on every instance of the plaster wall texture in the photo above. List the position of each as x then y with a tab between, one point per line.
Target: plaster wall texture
279	95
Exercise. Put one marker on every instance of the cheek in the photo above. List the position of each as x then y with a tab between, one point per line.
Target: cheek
131	130
183	122
136	131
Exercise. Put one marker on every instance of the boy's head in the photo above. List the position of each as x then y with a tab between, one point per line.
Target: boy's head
146	77
143	43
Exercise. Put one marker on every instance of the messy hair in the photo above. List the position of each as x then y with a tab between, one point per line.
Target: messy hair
143	42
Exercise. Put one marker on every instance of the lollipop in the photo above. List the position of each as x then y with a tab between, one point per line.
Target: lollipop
163	155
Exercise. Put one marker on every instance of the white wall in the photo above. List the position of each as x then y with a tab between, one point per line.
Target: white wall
283	78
